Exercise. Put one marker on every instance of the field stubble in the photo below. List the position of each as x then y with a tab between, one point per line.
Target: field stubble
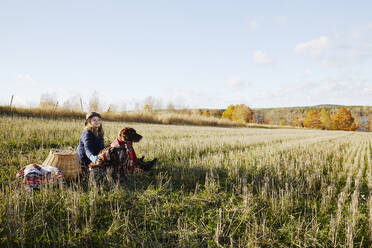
212	187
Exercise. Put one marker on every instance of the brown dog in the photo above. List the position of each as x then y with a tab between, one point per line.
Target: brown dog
119	156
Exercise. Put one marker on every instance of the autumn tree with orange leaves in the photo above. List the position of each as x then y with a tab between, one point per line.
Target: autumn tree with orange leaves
344	120
228	112
240	113
297	121
312	119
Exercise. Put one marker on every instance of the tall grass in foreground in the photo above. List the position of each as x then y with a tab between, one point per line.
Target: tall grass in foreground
213	187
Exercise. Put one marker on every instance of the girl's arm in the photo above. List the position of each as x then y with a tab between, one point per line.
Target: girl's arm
89	141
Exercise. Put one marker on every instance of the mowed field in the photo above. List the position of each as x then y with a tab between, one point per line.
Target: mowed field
212	187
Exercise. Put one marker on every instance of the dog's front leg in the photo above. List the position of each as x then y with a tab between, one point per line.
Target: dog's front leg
109	172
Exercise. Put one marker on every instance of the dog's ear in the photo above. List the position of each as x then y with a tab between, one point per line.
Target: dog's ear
122	133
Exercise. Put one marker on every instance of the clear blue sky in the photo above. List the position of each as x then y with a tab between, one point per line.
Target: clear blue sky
205	54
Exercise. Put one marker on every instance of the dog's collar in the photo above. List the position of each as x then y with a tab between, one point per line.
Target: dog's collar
124	141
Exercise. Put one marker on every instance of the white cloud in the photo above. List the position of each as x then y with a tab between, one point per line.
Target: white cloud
236	84
261	57
26	77
314	48
252	25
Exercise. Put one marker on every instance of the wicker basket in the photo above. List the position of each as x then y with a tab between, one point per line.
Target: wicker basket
67	161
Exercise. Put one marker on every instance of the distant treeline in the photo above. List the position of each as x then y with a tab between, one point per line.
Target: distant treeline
329	117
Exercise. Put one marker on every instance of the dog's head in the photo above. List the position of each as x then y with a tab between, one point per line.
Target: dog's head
130	135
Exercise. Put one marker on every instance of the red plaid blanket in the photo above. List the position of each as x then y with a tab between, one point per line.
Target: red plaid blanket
33	175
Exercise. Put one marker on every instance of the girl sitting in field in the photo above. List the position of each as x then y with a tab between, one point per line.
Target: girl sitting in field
91	141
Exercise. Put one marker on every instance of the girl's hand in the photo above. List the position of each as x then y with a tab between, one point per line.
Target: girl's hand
93	158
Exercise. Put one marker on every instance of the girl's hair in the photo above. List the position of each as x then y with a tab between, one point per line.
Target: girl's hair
96	131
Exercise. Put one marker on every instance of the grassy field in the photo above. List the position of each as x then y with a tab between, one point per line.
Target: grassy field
212	187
